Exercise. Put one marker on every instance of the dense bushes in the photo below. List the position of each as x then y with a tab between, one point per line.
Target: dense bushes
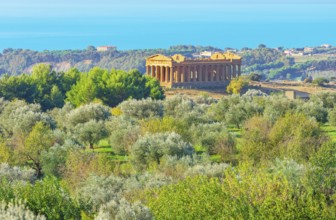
50	89
46	197
293	136
250	156
17	211
243	193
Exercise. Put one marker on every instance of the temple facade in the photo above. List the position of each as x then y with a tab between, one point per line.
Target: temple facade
179	71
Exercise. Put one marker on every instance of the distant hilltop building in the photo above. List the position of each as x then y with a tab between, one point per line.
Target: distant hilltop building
203	54
294	52
206	54
179	71
106	48
308	49
326	46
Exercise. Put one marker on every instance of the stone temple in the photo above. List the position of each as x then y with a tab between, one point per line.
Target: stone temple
179	71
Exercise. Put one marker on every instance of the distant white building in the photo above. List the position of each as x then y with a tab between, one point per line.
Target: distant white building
293	53
297	54
206	54
106	48
288	52
232	51
308	49
326	46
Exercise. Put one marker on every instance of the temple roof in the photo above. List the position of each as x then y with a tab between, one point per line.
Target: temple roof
225	56
159	57
180	58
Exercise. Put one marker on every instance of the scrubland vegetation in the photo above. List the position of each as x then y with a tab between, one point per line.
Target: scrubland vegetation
107	145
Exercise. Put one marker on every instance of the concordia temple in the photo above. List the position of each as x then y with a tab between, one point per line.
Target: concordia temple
179	71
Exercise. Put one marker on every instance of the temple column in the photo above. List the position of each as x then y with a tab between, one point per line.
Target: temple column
210	73
224	72
234	71
182	74
221	73
171	75
167	74
157	73
147	70
218	73
152	71
206	73
178	74
239	69
229	72
161	73
199	73
187	73
226	75
164	74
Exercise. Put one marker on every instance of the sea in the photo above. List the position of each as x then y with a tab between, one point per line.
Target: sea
280	28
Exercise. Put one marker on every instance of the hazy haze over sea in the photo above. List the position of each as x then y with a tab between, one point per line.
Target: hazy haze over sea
130	24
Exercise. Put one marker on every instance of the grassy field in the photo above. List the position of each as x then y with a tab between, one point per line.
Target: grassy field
304	59
330	131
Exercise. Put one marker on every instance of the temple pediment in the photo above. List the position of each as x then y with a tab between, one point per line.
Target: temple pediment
159	57
178	58
218	56
232	56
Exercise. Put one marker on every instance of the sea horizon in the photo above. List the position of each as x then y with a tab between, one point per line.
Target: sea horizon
152	25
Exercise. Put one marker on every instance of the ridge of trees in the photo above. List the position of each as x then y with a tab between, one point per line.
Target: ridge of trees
51	89
269	62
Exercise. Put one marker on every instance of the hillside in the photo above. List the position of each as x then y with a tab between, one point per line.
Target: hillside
270	63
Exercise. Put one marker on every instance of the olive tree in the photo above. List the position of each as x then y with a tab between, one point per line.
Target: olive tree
19	117
152	147
141	109
332	117
40	139
86	113
123	134
17	211
124	210
91	132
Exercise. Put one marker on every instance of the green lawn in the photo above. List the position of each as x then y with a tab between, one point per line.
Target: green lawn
103	149
330	130
103	143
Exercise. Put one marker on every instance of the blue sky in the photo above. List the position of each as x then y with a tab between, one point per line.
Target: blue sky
61	24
